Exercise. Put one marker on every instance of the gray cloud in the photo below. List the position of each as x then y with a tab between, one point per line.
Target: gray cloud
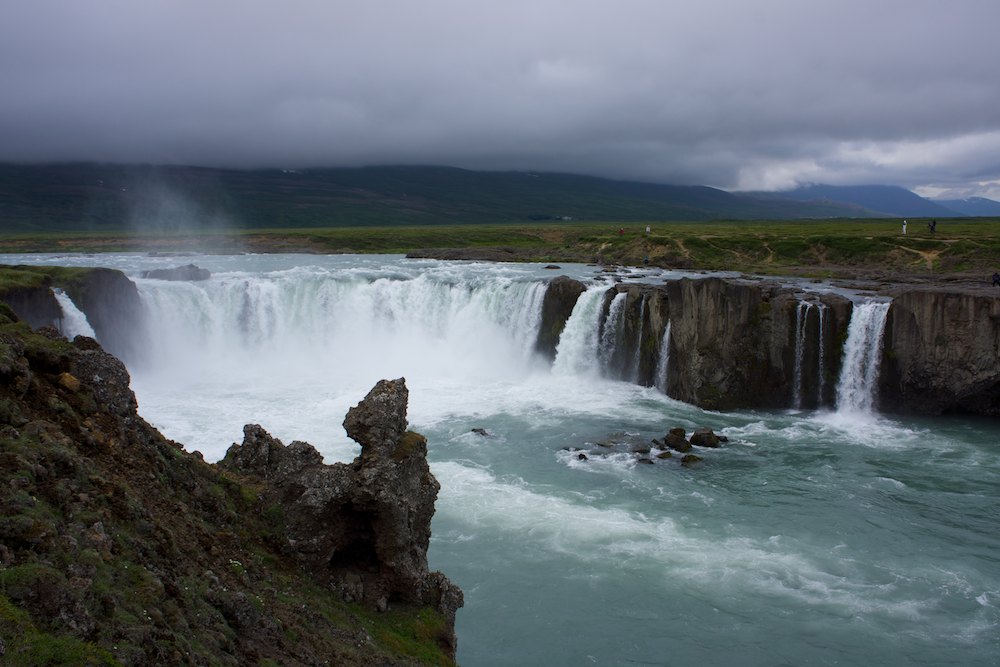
731	93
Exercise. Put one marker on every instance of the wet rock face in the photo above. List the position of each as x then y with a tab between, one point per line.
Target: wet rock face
188	272
942	353
557	306
363	527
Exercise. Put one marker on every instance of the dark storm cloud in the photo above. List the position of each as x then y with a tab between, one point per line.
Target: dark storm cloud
737	93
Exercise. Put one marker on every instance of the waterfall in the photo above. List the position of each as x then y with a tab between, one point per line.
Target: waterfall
801	318
343	324
577	352
821	372
611	332
637	358
73	322
663	362
862	355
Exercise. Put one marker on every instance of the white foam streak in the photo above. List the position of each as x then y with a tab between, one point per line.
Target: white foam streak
74	321
480	502
577	352
663	362
862	356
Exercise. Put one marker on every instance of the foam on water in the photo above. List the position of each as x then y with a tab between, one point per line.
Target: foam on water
810	538
74	322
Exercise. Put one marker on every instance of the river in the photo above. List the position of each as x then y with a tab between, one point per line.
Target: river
838	537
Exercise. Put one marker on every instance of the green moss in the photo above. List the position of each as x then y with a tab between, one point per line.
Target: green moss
411	632
26	646
409	444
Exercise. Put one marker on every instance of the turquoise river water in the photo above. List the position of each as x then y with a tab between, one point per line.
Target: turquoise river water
811	538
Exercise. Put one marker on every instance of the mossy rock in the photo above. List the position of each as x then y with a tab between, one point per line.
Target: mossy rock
408	445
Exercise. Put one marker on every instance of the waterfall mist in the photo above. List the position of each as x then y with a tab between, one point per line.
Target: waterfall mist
811	537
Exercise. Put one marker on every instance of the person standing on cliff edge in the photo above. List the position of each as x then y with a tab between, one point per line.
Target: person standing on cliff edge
996	278
904	227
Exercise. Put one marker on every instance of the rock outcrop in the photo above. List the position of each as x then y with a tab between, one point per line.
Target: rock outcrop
118	547
363	527
942	353
188	272
106	296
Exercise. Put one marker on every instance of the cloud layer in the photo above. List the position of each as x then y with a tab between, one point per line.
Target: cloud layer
731	93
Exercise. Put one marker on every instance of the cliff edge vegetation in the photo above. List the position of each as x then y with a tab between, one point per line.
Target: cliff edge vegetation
117	547
820	248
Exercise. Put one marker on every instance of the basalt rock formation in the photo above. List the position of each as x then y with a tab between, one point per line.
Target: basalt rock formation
118	547
106	296
942	353
732	342
364	527
735	342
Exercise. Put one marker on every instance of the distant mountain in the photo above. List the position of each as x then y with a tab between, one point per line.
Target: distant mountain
973	206
887	200
93	197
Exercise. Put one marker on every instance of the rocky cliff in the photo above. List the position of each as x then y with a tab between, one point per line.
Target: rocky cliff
106	296
733	343
942	352
118	547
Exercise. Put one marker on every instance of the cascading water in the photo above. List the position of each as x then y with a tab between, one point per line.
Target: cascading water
611	332
633	374
803	540
663	361
801	318
307	319
73	322
577	351
862	356
821	366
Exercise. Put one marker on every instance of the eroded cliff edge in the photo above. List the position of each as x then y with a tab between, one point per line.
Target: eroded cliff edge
118	547
735	343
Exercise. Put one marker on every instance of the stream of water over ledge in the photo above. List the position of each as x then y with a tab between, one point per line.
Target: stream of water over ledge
811	538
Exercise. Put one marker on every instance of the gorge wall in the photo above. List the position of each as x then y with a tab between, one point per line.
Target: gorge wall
733	343
737	343
942	353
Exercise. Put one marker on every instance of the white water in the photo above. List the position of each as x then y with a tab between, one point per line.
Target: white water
611	332
810	538
578	350
821	373
862	357
663	362
801	319
74	322
633	374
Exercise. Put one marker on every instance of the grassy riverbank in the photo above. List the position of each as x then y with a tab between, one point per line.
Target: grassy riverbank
808	247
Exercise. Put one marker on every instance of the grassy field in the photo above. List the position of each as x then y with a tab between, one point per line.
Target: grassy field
808	247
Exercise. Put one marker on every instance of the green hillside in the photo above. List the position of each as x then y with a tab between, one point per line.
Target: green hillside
156	199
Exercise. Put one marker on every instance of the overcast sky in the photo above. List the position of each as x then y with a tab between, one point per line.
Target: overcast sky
738	94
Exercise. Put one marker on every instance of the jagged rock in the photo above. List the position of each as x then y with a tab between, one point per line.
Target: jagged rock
481	431
676	440
689	460
705	437
187	272
364	527
124	549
